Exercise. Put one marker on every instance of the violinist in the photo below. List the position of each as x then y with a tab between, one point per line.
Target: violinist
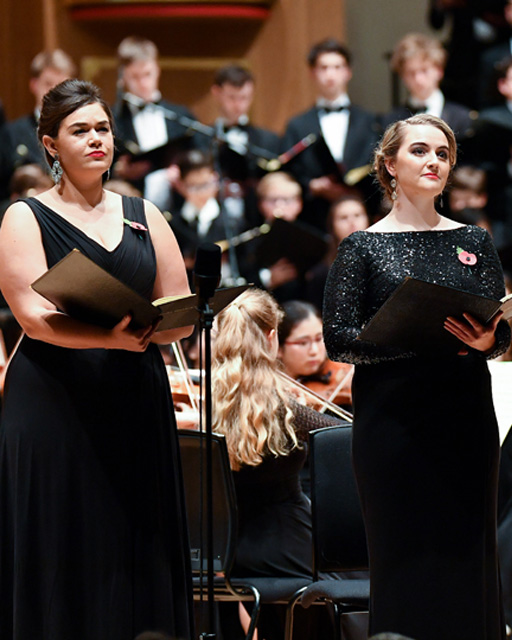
303	355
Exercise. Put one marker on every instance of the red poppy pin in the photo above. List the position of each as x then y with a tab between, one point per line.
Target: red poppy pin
136	226
466	258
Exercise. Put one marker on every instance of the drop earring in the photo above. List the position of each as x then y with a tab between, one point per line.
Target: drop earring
393	186
56	170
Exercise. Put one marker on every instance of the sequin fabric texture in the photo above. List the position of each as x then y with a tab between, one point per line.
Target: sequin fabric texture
370	265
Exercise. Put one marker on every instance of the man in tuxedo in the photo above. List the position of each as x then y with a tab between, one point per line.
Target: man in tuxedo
18	139
419	60
144	122
345	136
242	147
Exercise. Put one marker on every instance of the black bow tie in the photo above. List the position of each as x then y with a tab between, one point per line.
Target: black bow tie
235	127
333	108
415	109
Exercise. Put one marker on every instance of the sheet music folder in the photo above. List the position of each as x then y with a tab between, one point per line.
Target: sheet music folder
303	245
79	287
412	318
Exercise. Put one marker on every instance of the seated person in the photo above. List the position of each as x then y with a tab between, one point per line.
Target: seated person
18	139
142	121
420	60
265	430
233	91
303	355
346	215
345	135
279	197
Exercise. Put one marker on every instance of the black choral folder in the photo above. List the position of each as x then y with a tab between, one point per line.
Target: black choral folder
84	290
412	318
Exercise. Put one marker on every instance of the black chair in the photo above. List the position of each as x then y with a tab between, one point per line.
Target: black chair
339	538
276	590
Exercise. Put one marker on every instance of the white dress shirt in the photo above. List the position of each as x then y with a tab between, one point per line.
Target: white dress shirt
334	125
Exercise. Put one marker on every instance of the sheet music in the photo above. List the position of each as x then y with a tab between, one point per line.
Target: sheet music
501	377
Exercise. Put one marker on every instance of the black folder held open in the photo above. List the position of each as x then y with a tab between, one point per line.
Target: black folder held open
83	290
412	318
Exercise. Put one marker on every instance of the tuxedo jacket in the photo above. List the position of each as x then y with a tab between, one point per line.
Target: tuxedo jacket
459	117
317	161
125	131
19	146
487	91
245	167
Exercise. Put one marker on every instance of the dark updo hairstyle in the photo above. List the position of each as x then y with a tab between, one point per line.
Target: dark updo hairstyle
63	100
392	140
295	311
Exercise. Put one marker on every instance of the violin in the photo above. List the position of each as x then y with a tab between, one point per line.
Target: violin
332	382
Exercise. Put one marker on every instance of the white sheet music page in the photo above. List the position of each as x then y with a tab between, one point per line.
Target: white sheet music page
501	377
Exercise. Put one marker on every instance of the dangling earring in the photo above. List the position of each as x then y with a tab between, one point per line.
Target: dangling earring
56	170
441	201
393	186
108	175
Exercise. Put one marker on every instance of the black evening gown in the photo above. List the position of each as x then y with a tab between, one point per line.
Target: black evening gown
93	543
425	443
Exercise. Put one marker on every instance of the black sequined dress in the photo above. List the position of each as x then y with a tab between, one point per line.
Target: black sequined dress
426	444
93	542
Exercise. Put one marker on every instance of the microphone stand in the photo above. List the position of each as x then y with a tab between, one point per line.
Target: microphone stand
206	315
216	141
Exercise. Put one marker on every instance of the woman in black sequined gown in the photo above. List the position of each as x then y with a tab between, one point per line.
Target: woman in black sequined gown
426	443
93	543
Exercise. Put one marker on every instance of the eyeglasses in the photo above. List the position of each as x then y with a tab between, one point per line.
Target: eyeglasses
202	186
305	343
281	200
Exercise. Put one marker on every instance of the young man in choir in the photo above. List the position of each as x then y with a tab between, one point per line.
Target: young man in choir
143	120
345	134
18	138
419	61
201	217
242	146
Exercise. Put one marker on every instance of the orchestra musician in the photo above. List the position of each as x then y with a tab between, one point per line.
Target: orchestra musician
303	355
265	428
426	441
93	542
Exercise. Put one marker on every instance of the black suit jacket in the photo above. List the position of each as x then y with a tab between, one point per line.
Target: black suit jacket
245	167
317	161
459	117
19	146
488	94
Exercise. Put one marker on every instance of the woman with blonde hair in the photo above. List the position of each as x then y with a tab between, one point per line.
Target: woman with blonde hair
265	428
426	442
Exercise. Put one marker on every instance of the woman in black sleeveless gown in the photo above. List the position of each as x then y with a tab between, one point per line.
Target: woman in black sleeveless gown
93	543
426	443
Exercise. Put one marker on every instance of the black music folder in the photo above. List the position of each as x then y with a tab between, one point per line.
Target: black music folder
84	290
159	157
300	243
412	318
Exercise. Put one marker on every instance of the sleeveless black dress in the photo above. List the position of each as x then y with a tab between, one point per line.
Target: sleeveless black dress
93	542
425	440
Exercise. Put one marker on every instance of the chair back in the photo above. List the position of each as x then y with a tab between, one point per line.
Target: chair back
193	461
339	537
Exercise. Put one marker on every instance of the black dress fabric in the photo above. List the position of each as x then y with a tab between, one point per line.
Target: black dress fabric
274	515
93	542
425	441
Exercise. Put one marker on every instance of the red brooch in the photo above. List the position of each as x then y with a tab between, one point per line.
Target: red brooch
466	258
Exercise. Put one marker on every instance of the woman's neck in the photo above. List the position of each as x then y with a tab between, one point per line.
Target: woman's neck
84	195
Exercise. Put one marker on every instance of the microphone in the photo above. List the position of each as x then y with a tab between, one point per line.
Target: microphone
207	270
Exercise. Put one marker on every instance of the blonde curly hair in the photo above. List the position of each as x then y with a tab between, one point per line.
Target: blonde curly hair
251	405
